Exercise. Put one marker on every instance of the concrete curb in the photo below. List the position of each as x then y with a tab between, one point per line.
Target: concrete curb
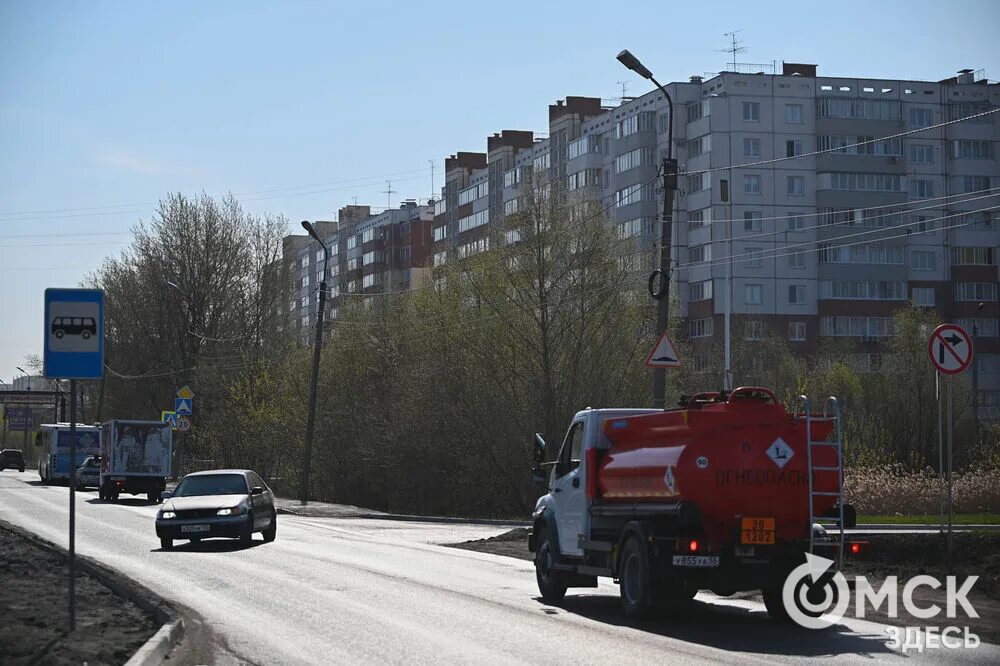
171	630
306	513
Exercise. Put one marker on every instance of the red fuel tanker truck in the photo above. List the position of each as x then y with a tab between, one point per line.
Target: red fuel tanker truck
727	493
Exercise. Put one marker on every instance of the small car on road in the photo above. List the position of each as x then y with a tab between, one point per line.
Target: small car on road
88	475
12	459
232	503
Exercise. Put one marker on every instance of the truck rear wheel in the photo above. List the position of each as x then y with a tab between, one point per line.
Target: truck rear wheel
634	579
815	593
551	583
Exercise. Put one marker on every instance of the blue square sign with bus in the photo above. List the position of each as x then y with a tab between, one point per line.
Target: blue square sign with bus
74	333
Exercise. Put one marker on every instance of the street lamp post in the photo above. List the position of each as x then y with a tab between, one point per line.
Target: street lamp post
29	389
317	347
661	274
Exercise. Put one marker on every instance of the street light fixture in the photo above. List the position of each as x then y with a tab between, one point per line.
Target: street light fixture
661	274
26	375
317	346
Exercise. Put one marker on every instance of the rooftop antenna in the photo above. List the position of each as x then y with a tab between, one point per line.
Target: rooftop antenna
431	162
735	47
624	85
388	192
355	199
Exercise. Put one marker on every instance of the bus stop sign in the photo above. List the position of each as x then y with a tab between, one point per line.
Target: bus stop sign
74	333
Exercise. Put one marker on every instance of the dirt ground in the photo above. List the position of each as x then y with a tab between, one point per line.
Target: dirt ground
904	555
34	615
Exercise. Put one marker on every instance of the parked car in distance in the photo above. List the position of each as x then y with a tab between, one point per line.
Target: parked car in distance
231	503
88	475
12	459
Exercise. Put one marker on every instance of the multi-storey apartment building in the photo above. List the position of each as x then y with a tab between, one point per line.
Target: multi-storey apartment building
814	205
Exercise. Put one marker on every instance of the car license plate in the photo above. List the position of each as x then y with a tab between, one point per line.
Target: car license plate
195	528
757	531
696	560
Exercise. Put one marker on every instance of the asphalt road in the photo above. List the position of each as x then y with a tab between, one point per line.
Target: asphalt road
371	591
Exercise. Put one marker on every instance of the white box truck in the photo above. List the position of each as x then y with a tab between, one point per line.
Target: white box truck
135	458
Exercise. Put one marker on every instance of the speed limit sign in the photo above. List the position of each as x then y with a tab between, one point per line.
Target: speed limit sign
183	423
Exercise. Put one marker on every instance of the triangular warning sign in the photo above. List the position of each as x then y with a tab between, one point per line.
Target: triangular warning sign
664	355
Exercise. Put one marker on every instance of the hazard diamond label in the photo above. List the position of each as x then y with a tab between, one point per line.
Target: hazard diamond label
780	453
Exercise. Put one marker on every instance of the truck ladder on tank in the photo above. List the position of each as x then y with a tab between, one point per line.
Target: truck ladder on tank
831	412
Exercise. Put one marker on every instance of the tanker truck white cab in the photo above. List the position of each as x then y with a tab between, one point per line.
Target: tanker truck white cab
727	493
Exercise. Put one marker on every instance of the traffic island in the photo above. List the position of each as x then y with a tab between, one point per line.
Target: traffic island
113	624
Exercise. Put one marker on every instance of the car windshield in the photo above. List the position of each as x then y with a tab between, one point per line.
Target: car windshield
212	484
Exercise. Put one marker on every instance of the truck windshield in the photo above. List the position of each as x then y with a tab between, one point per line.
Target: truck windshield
212	484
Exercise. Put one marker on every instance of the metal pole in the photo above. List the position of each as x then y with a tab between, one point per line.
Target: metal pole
951	427
317	347
941	489
72	504
666	245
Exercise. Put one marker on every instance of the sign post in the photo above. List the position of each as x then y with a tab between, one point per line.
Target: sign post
74	349
950	350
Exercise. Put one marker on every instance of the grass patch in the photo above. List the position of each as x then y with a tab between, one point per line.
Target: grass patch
923	519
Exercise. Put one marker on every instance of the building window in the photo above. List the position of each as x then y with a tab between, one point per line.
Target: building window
793	114
751	111
404	253
753	329
699	146
632	159
986	328
700	328
697	182
793	148
755	257
700	291
864	182
631	194
920	117
751	184
965	149
751	147
797	260
305	280
923	260
863	290
921	188
582	146
473	221
973	256
797	331
754	294
796	186
699	253
975	183
510	206
700	218
975	291
637	227
352	242
795	222
354	264
857	327
858	108
988	364
796	294
752	220
440	233
923	297
921	153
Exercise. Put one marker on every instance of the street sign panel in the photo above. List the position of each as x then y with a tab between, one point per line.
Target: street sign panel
74	333
183	406
183	423
950	349
185	392
664	355
169	417
19	419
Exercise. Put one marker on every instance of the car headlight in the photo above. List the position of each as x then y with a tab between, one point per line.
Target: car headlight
167	515
233	511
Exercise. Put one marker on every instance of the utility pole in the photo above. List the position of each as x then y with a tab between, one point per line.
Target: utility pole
661	274
317	347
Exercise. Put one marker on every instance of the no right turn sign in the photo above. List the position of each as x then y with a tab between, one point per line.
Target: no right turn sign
950	349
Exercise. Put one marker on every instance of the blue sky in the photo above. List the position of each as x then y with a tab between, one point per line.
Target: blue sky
298	107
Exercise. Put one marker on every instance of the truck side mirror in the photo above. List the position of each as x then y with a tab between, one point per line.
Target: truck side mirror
165	495
538	450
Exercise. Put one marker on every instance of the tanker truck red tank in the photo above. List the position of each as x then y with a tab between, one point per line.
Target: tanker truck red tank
727	493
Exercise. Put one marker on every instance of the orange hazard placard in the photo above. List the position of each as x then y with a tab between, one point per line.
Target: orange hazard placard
757	531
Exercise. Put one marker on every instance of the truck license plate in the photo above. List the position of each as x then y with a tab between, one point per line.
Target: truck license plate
194	528
757	531
696	560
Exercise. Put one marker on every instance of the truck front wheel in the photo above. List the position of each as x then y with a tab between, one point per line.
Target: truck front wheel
551	583
634	579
